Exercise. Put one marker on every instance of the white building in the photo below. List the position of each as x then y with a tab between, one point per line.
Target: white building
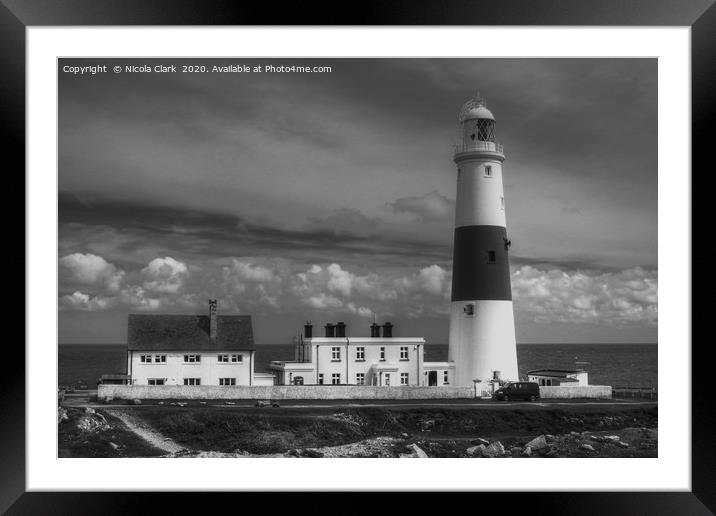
554	377
337	359
191	349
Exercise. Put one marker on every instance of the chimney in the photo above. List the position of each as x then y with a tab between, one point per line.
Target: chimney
341	329
212	319
387	330
374	330
330	330
308	330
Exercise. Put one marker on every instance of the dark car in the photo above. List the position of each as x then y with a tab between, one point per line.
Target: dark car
517	391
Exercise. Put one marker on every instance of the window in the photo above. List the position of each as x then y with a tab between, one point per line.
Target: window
382	353
403	378
192	381
403	352
160	359
320	378
502	202
155	381
360	353
387	378
491	257
146	359
360	378
237	358
336	378
445	377
335	354
227	381
469	310
224	358
488	171
192	359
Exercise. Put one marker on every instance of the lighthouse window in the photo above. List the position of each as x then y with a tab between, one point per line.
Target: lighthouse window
488	171
469	310
502	203
491	257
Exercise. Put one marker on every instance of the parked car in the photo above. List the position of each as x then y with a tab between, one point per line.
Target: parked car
517	391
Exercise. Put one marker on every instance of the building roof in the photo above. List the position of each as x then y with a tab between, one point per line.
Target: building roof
480	112
557	373
154	332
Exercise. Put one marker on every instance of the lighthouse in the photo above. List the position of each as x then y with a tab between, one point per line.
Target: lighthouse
482	327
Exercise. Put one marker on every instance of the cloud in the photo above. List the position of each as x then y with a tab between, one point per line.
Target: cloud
165	275
431	280
612	298
431	207
91	270
344	222
81	301
136	298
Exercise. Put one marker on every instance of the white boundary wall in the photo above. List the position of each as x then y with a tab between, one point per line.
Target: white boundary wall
282	392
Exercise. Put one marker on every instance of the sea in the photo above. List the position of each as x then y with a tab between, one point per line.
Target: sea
619	365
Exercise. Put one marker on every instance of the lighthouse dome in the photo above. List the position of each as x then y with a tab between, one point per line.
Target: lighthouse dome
477	112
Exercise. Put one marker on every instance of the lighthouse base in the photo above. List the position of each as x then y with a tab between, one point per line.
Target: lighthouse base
482	340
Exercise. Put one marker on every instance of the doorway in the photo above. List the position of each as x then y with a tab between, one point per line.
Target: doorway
432	379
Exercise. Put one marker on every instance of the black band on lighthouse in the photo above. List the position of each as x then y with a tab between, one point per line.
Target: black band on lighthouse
481	269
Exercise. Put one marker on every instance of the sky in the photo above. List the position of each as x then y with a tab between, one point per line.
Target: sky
330	196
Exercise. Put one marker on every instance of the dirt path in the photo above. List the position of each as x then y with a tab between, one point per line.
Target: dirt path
147	433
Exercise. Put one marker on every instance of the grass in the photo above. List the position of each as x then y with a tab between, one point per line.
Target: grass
75	442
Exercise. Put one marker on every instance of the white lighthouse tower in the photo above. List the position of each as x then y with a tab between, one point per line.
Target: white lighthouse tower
482	327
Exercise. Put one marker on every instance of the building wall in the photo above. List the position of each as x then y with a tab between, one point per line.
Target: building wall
577	391
348	365
484	342
281	392
175	369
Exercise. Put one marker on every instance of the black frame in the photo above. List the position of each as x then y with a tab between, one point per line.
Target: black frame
16	15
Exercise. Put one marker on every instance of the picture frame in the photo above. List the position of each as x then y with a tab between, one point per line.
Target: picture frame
17	16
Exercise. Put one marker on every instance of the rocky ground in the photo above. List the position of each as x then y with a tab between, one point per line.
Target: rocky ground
178	431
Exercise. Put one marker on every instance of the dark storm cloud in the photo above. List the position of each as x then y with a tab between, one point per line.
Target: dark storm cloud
354	167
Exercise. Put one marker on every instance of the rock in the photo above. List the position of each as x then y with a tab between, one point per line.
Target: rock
476	451
494	450
418	451
537	443
312	453
179	403
403	434
622	444
480	440
293	453
61	415
527	451
549	437
114	446
136	401
574	434
160	403
587	447
552	453
230	403
89	410
611	438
